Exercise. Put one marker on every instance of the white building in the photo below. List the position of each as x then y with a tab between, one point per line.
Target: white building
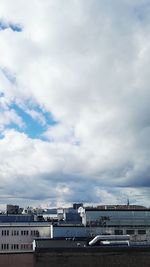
17	237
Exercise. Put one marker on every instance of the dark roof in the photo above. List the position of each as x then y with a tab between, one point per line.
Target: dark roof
16	218
118	207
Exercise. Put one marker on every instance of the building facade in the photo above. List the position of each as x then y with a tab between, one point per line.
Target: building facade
132	220
18	237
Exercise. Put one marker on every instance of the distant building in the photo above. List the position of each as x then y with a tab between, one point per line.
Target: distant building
60	214
13	209
72	216
69	215
77	205
119	215
10	218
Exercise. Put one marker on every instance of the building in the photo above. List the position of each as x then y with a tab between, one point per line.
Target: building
17	237
70	215
120	219
17	232
68	231
17	218
13	209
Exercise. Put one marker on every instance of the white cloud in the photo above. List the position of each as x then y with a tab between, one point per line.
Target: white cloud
36	116
61	132
9	117
87	63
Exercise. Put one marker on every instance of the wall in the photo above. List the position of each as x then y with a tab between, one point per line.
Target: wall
72	258
93	259
17	260
82	231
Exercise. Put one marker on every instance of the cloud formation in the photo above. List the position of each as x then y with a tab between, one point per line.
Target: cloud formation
86	64
9	25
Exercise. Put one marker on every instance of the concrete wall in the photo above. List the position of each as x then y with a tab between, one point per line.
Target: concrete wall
93	259
62	258
17	260
82	231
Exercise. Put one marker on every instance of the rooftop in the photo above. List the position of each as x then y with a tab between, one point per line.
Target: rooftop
117	207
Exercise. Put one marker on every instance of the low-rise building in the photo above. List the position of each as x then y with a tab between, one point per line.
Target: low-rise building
121	219
18	237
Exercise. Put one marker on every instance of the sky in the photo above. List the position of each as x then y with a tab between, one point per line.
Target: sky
74	102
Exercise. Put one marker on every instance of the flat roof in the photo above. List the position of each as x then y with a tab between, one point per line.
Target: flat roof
118	208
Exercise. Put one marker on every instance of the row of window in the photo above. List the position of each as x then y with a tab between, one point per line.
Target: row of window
16	232
130	232
26	246
104	224
16	246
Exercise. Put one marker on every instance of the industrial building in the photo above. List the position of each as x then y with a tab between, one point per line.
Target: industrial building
18	231
120	219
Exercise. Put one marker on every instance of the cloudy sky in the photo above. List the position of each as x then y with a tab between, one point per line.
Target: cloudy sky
74	101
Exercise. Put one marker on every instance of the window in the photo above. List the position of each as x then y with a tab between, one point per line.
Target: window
142	232
5	246
27	246
35	233
130	232
14	246
5	232
15	232
25	232
118	232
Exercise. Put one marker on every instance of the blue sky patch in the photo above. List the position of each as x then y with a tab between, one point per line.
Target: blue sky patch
142	11
34	128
